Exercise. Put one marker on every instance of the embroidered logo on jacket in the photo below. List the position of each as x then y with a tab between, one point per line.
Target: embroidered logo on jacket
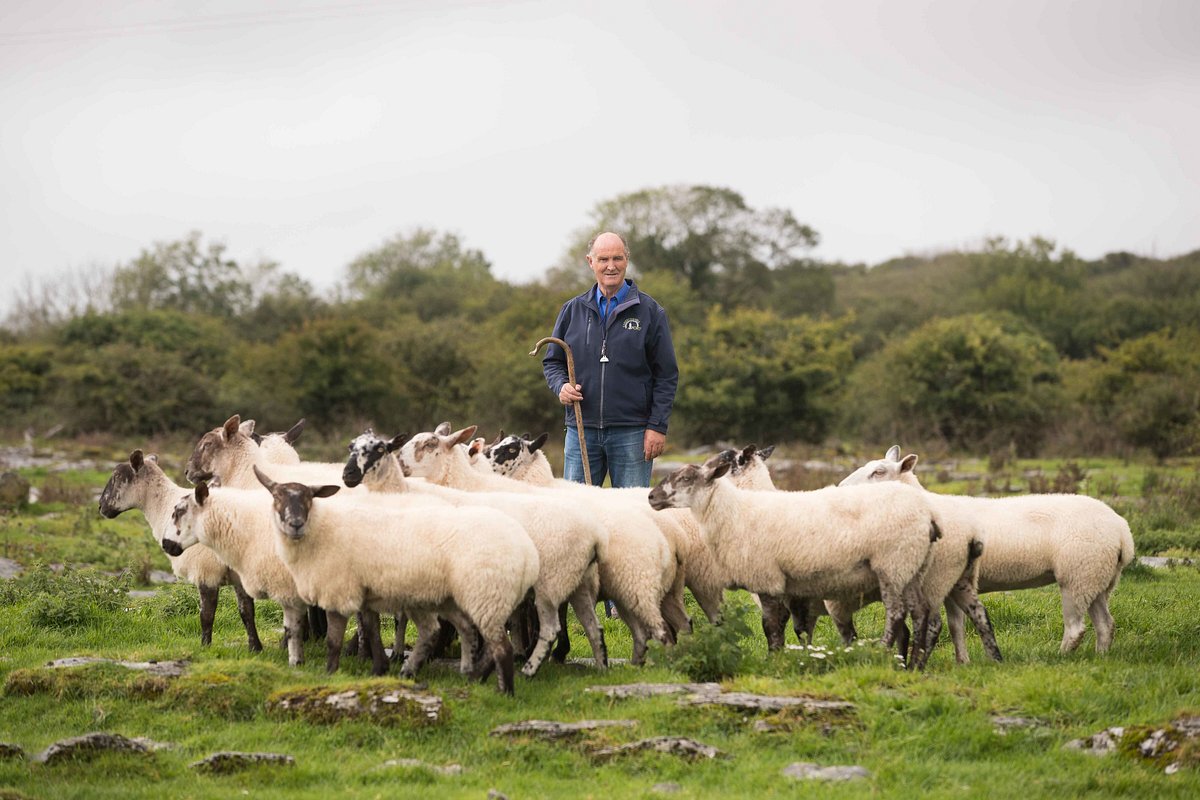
633	324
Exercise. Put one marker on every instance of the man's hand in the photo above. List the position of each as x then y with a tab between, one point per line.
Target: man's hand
570	394
653	444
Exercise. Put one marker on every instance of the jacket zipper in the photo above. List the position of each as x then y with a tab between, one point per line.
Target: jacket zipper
603	368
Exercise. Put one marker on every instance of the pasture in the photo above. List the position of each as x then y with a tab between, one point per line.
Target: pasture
936	734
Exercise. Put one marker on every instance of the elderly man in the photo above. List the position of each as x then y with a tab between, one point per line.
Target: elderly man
624	367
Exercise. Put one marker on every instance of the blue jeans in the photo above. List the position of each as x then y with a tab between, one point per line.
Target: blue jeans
619	453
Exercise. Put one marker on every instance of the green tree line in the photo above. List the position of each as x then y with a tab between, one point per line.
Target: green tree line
1019	345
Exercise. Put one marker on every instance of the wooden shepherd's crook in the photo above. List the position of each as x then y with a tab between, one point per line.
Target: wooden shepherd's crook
587	470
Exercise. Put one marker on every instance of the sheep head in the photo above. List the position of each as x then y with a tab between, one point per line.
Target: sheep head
369	453
687	486
511	453
428	455
219	449
889	468
291	504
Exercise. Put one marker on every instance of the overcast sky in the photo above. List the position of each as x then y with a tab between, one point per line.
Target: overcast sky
308	132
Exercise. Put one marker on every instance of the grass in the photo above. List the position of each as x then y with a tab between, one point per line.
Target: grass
931	733
927	735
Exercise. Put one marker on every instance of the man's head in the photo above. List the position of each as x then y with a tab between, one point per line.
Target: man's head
609	258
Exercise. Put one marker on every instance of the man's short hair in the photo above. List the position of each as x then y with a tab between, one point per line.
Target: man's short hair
592	243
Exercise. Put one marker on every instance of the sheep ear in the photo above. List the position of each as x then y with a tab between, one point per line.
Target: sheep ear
719	470
294	432
765	453
443	429
325	491
201	492
396	442
230	428
247	427
476	447
264	479
893	453
747	452
537	443
464	435
908	463
136	460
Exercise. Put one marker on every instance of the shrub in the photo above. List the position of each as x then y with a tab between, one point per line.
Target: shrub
711	652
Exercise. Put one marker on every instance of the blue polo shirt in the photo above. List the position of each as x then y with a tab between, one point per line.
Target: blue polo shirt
607	305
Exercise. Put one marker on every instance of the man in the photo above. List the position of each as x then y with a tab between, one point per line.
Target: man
625	372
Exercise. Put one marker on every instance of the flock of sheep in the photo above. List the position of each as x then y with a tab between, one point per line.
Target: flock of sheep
450	533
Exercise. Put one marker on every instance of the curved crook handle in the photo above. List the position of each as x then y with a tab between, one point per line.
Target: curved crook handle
587	470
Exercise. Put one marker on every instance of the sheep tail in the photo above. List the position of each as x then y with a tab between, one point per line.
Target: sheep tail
1127	553
935	532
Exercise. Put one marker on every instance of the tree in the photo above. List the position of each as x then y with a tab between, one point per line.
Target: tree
431	274
183	276
1147	388
754	376
706	235
975	380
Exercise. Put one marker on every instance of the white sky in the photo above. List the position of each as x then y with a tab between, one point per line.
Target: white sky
309	131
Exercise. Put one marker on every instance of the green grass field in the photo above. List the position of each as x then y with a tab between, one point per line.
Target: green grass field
920	735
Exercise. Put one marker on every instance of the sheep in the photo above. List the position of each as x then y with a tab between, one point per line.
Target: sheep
141	483
278	447
950	578
235	524
829	542
522	459
351	555
569	543
229	454
1073	540
639	568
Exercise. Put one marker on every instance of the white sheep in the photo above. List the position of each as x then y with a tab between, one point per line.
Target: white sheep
353	555
830	542
236	525
950	577
522	459
570	544
229	454
639	568
140	483
1073	540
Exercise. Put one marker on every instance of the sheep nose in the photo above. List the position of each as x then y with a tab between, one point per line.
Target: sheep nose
171	547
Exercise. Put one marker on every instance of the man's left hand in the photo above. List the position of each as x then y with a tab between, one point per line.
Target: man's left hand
653	444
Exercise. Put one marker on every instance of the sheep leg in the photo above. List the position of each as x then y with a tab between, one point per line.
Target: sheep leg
774	620
208	612
843	617
805	612
709	600
401	632
547	630
335	632
562	642
966	598
1074	624
584	603
894	611
958	634
428	628
294	618
501	652
1102	621
317	625
245	604
919	609
370	632
652	626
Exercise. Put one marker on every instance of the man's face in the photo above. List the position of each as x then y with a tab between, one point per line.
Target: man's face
608	264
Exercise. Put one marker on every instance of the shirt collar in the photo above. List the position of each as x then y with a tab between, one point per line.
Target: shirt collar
616	301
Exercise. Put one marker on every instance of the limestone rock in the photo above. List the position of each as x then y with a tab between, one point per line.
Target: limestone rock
744	701
627	690
671	745
1005	724
11	752
1098	744
91	743
167	669
227	761
670	787
807	771
394	704
544	729
9	568
448	769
